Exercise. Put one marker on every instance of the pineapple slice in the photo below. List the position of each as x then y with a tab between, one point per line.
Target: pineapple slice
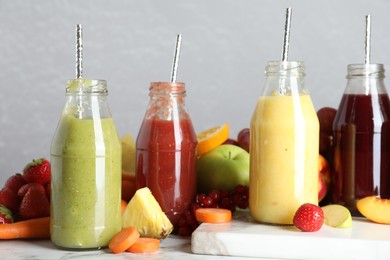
144	213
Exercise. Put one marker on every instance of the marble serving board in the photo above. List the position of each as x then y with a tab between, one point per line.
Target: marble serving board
244	237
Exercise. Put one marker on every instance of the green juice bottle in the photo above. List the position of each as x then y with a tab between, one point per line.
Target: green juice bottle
86	168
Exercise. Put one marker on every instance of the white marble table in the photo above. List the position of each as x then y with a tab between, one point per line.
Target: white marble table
246	238
171	248
239	238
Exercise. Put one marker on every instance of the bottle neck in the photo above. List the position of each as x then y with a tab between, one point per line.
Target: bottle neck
86	86
366	71
168	89
285	78
87	99
367	79
167	101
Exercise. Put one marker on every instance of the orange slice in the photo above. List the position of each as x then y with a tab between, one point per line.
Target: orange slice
211	138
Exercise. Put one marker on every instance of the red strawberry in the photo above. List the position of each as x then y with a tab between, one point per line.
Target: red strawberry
34	204
47	190
5	215
9	199
37	171
309	217
15	182
23	190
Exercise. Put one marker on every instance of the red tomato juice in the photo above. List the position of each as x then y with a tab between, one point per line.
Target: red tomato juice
166	157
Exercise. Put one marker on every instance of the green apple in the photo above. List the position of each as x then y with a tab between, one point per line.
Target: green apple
337	216
224	167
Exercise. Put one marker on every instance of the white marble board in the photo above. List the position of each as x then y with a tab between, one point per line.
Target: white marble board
244	237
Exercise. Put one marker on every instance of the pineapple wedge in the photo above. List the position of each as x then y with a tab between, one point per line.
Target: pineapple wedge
144	213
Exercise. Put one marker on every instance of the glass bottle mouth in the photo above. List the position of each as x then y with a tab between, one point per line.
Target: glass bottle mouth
164	88
285	68
372	70
86	86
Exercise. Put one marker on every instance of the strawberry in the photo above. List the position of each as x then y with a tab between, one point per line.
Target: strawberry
15	182
309	217
5	215
37	171
23	190
34	204
48	190
9	199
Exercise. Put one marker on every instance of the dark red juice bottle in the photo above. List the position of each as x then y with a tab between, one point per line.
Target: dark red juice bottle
362	138
166	150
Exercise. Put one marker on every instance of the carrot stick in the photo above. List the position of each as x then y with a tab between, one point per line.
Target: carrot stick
123	240
31	228
213	215
144	245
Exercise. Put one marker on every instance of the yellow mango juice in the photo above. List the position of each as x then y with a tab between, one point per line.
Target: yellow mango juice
284	146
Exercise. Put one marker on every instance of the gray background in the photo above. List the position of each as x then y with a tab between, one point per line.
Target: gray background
226	44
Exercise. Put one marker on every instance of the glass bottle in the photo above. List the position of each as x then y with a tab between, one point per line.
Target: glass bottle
166	150
86	170
362	138
284	146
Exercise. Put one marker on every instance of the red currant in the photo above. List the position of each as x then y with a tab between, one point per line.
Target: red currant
214	195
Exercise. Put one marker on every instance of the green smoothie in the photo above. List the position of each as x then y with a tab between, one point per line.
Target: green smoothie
86	183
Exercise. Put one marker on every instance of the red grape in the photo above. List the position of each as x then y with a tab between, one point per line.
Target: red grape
223	193
231	141
214	195
208	202
243	139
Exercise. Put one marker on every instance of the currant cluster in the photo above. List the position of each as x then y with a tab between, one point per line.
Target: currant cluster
213	199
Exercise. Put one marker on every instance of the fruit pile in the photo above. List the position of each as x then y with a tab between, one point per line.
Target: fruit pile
222	170
214	199
222	163
26	196
223	179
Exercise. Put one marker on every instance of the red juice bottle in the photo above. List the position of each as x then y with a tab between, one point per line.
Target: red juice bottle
166	150
362	138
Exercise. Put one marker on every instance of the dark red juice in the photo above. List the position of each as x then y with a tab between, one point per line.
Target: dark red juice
166	160
362	149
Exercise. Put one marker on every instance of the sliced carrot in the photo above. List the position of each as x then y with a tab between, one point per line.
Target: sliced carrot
123	240
213	215
31	228
145	245
123	205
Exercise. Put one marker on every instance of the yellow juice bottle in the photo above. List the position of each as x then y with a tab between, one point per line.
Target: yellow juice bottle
284	146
